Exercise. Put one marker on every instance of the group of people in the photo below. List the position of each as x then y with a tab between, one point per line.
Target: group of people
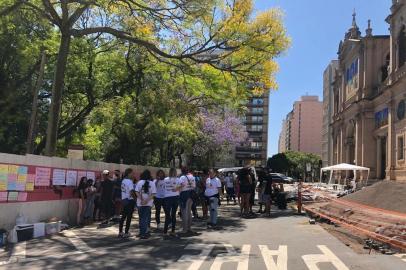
115	197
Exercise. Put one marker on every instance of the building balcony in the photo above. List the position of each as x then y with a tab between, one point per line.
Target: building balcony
248	156
248	149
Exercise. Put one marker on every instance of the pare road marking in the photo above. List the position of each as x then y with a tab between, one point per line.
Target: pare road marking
197	260
232	256
326	256
76	241
401	256
281	257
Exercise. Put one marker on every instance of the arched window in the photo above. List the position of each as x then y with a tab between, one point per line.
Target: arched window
384	69
402	47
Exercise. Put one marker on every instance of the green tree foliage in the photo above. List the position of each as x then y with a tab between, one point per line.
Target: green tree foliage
279	163
293	163
128	78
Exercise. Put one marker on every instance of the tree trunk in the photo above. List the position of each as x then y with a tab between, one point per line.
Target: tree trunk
34	110
57	88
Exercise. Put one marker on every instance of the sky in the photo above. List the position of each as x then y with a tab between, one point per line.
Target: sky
316	28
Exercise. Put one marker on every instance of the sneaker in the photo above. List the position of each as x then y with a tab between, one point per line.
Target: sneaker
144	237
120	235
126	235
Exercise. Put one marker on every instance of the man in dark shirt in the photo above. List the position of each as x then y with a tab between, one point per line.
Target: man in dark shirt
117	195
106	196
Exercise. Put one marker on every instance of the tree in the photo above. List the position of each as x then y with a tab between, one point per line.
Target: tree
279	163
183	33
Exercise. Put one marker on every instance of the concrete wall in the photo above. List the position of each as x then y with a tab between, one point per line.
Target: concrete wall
64	210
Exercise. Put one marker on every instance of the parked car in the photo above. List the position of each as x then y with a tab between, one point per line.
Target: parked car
281	178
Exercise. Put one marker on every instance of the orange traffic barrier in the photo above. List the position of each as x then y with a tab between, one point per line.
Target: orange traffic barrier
384	239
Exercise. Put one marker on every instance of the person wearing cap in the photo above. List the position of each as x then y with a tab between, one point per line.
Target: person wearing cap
106	196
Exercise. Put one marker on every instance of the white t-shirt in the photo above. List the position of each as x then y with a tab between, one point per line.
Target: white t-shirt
160	188
187	182
212	186
140	190
170	185
126	186
229	182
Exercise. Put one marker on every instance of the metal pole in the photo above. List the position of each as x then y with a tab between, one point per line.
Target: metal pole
299	197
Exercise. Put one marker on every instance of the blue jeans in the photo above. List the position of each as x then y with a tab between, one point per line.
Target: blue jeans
214	204
144	213
170	207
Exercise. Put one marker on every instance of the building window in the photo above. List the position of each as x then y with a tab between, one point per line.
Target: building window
256	128
402	47
401	151
257	101
257	119
257	110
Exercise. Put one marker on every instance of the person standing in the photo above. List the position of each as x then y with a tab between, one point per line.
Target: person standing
106	197
117	195
81	203
145	190
128	202
171	201
90	192
212	193
97	203
245	182
187	187
160	195
230	188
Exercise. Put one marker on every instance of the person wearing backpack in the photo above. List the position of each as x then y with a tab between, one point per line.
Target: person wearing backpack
245	181
187	191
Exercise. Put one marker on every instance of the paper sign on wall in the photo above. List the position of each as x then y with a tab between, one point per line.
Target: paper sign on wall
91	175
29	186
80	175
22	196
42	176
58	177
12	196
71	177
3	196
22	170
12	169
4	168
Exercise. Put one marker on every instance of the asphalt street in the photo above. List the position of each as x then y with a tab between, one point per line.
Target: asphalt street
284	241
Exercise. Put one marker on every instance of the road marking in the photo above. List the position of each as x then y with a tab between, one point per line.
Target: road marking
401	256
281	257
18	253
76	241
327	256
197	260
232	256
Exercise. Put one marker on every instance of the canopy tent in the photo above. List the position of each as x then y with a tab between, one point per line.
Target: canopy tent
343	167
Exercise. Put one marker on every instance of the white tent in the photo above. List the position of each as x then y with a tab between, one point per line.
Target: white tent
343	167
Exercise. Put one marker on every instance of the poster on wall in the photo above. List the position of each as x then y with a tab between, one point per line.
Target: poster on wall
91	175
12	177
22	196
58	177
71	178
3	196
80	175
3	177
42	177
29	186
22	173
12	196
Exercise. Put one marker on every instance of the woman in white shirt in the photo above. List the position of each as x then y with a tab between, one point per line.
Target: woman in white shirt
159	197
146	191
212	193
128	202
187	186
171	201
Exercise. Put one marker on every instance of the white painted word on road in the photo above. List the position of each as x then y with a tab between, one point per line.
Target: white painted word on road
273	259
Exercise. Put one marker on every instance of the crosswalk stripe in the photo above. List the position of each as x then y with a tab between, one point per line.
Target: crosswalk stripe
76	241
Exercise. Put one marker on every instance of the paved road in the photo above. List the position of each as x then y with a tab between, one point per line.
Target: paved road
283	242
